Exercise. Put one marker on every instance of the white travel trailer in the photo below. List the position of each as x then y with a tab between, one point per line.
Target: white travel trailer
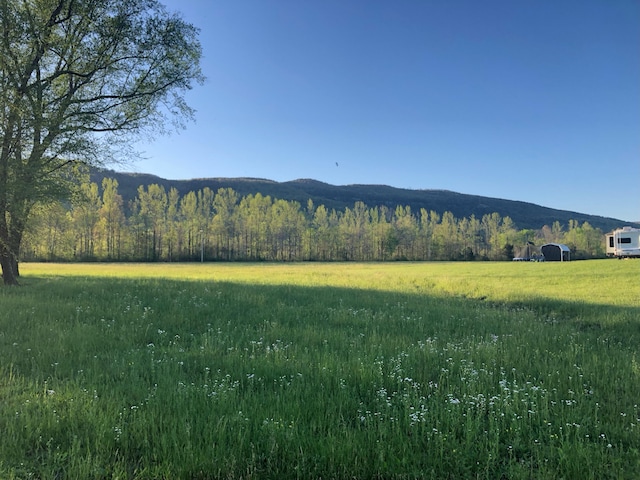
624	243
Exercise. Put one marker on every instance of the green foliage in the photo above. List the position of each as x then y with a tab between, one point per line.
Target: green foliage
77	80
224	226
451	370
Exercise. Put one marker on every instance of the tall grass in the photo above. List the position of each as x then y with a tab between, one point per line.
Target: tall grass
321	370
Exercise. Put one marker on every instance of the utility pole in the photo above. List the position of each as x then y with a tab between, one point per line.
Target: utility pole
201	246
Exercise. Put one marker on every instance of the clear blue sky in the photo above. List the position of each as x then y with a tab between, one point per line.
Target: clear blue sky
526	100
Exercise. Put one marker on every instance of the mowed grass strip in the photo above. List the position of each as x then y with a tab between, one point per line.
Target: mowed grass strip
450	370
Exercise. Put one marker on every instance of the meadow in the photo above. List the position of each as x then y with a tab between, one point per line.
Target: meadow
321	370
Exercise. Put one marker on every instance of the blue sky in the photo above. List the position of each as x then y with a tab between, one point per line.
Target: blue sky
537	101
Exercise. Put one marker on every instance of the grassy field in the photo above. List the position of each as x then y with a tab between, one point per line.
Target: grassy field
403	370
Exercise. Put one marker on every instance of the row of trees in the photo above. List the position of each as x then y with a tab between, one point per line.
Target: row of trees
206	225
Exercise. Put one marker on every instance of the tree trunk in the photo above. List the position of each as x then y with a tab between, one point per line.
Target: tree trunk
9	265
10	239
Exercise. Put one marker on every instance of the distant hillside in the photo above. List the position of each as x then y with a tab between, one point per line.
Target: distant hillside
525	215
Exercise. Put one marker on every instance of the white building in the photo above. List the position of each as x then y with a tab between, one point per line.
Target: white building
623	243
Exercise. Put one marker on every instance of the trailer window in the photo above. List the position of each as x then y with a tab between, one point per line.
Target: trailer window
624	240
611	242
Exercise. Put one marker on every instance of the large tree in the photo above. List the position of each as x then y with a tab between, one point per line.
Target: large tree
77	79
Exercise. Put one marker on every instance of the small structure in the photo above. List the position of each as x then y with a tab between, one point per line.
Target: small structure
623	243
555	252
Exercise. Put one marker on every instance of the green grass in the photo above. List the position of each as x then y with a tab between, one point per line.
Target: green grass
444	370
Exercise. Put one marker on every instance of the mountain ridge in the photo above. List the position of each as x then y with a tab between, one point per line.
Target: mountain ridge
524	214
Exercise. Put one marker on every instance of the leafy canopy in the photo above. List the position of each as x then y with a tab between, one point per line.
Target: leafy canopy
79	78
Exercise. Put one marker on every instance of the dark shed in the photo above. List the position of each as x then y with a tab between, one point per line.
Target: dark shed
555	252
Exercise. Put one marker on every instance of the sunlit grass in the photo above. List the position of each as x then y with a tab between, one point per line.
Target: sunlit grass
595	281
449	370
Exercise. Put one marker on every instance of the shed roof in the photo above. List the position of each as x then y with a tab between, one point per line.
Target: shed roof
561	246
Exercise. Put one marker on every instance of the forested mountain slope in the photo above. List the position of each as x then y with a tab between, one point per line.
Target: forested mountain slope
525	215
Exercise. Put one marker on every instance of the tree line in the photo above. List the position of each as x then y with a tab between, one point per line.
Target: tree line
160	225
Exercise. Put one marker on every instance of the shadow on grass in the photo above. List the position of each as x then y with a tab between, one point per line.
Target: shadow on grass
290	305
170	378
